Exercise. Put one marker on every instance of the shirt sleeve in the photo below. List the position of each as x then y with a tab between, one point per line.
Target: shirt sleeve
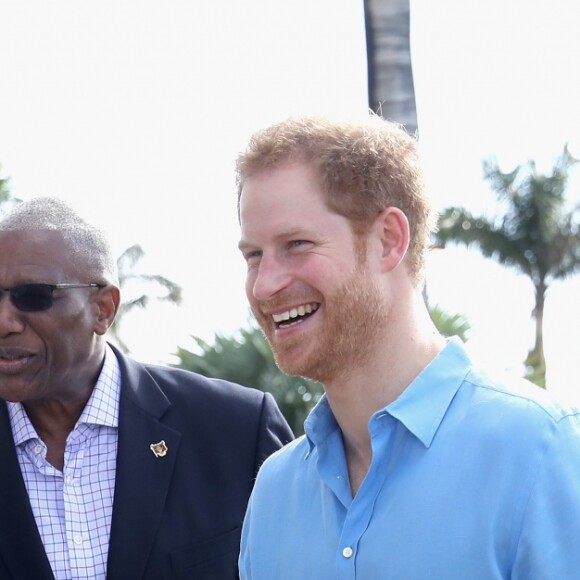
548	545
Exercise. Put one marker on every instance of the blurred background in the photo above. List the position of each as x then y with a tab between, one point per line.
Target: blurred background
134	112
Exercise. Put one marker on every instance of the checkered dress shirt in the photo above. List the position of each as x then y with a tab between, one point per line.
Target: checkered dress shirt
73	507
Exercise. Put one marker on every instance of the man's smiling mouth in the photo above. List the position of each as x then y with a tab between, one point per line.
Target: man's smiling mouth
294	315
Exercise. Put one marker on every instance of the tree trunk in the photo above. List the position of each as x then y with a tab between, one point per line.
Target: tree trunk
535	362
390	73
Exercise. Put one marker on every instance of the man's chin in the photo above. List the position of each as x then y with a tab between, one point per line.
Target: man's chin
14	393
296	367
287	362
283	363
294	358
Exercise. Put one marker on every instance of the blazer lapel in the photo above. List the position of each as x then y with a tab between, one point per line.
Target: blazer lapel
21	548
143	473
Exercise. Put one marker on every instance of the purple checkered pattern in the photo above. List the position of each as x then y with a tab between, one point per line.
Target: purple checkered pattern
73	508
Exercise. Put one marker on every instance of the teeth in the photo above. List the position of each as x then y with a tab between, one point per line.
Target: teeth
294	312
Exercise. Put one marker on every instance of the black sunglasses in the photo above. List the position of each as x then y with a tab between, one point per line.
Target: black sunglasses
38	297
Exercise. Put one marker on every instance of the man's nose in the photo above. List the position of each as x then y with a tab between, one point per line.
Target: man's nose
10	317
272	276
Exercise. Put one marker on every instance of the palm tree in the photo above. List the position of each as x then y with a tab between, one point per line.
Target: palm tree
535	234
126	268
392	94
390	73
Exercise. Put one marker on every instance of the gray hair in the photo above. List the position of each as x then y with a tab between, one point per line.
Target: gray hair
89	247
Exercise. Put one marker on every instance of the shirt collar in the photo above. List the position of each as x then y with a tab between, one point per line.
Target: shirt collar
320	423
423	404
420	407
102	407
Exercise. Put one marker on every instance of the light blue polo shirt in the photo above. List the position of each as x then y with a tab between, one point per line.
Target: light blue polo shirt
471	478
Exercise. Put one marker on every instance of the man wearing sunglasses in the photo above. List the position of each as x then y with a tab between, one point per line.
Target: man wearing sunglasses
110	468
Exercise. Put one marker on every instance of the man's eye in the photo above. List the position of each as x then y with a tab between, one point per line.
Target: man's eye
253	255
298	243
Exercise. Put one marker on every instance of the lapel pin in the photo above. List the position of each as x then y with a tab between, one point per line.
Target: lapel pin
159	449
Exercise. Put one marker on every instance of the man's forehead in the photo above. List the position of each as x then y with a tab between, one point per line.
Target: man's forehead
41	247
279	235
32	235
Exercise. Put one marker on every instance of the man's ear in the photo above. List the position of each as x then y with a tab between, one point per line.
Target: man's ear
107	302
393	230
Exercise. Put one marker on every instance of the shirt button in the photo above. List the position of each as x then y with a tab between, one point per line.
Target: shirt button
37	449
347	552
78	540
69	479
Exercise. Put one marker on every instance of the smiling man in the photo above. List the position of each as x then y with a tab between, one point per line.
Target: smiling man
415	463
110	468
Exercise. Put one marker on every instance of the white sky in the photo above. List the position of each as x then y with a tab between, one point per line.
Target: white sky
134	111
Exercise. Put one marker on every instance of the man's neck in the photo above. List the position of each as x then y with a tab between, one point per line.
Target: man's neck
54	421
359	392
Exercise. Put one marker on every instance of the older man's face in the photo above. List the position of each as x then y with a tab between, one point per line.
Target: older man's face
50	354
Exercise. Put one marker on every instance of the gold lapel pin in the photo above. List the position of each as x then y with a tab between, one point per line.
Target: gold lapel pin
159	449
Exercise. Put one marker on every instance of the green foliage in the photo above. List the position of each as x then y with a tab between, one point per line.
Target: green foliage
7	200
450	324
535	369
246	358
534	233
